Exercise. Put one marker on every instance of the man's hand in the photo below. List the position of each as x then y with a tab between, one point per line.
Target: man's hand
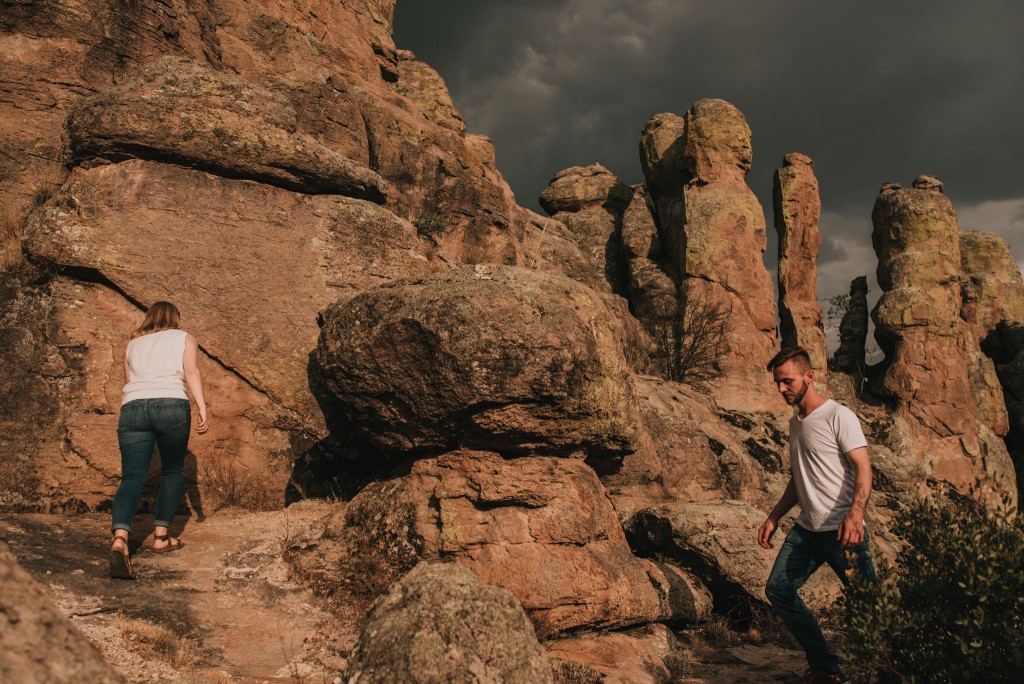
851	530
764	535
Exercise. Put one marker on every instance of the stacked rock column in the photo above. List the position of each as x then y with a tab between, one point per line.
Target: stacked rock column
918	326
712	232
797	212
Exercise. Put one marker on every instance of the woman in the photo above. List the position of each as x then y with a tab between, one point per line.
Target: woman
161	360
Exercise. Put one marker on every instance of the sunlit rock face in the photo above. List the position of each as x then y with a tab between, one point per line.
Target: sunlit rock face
713	236
944	393
797	212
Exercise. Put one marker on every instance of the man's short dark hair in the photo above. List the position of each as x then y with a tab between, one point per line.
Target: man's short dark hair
798	354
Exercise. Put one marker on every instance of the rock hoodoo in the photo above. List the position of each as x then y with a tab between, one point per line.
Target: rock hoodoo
993	305
488	357
590	201
928	348
713	233
853	331
652	293
993	290
797	212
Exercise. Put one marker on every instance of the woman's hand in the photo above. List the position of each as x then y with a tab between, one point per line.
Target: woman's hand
203	423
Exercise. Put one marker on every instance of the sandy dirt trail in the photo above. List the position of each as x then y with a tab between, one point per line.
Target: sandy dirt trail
225	596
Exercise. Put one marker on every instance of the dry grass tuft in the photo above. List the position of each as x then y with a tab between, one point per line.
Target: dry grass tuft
717	632
159	642
43	184
569	672
11	229
767	627
231	483
680	666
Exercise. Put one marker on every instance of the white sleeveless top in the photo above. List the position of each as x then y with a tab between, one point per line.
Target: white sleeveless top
156	367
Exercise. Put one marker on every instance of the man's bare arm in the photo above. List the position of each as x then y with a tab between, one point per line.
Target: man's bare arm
851	530
786	502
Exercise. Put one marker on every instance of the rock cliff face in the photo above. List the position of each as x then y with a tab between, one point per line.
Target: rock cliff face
932	360
251	163
797	211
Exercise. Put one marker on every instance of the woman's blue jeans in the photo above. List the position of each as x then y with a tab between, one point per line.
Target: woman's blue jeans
143	422
802	553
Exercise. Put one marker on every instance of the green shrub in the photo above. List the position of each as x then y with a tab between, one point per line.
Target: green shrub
951	610
431	225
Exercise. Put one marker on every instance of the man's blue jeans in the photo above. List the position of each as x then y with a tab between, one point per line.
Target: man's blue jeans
802	553
143	422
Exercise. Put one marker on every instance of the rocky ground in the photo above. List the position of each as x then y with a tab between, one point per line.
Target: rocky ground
225	608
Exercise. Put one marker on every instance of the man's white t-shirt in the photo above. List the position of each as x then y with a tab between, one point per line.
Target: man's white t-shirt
823	476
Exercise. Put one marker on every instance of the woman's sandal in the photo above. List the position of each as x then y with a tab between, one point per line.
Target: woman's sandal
173	544
120	562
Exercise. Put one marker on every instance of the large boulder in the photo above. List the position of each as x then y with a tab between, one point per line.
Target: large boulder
541	527
493	357
442	624
713	234
932	359
176	110
717	540
797	212
38	645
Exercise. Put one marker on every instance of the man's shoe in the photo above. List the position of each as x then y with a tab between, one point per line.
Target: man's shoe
816	676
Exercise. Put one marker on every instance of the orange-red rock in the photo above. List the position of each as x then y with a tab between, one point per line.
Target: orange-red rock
713	233
929	349
37	643
541	527
157	231
797	212
490	357
590	201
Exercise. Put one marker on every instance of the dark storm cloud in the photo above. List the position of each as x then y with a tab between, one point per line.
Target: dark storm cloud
872	91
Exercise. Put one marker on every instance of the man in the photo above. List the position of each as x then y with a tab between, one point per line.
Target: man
831	480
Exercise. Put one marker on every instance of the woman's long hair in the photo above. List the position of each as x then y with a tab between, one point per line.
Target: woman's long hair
161	316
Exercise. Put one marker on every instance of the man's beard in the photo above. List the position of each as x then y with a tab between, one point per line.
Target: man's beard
799	396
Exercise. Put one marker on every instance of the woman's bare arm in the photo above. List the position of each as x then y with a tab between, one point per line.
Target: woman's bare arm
194	381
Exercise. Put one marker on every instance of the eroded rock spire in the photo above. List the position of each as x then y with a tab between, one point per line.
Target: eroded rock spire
797	213
932	361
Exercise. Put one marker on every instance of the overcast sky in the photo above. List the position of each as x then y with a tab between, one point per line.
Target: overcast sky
872	91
